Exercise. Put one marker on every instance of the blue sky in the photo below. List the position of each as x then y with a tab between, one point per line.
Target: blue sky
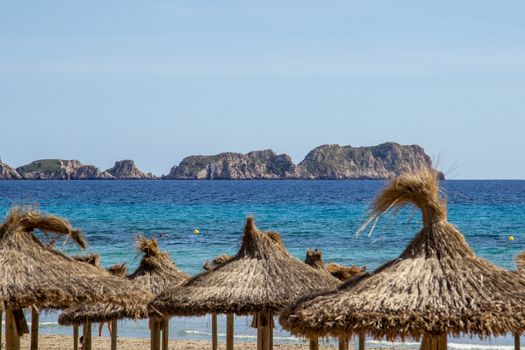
155	81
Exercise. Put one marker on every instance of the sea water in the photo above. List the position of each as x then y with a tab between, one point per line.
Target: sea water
309	214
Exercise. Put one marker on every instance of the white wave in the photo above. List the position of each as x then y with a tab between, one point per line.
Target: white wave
239	336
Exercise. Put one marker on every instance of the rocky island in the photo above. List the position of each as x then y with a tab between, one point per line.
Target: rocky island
8	173
60	169
127	170
326	162
228	166
334	162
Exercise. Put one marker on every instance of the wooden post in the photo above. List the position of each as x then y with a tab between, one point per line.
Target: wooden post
442	342
269	331
261	332
314	344
165	333
362	339
75	337
87	345
229	331
434	343
114	329
34	328
517	344
343	342
154	326
1	314
214	331
152	334
12	340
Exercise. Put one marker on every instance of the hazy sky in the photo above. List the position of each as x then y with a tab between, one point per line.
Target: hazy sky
155	81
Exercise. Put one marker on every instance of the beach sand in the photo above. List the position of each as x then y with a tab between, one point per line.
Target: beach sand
62	342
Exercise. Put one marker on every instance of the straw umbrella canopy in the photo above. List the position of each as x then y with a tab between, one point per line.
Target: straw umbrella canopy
33	275
260	279
103	312
436	287
155	273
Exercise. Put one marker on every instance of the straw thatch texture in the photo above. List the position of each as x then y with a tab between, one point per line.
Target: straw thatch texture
218	260
155	272
102	312
261	277
314	258
436	286
32	274
92	259
344	273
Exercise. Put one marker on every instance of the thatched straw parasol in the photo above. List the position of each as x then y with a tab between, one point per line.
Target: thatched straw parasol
218	260
36	276
436	287
155	273
101	312
260	279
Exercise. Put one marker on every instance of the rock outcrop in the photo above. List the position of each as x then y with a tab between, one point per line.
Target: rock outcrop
8	173
330	162
334	162
127	170
59	169
235	166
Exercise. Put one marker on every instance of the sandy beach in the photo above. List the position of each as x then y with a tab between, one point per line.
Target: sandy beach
62	342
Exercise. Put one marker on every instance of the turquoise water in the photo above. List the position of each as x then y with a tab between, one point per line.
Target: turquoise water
308	214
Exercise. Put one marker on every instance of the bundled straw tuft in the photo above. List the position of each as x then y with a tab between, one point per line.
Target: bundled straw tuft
314	258
421	190
149	247
29	219
92	259
118	270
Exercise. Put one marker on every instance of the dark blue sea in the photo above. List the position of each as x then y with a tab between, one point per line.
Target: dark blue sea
308	214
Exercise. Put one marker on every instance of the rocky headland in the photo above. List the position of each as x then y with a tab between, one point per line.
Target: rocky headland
235	166
8	173
60	169
326	162
127	170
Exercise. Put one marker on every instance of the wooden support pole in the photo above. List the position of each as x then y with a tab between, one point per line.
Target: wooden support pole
12	340
442	342
362	340
75	337
343	342
261	332
214	343
1	314
152	334
314	344
34	328
165	333
87	344
229	331
439	342
517	344
114	331
269	331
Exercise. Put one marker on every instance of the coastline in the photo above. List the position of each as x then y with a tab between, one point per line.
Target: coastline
60	342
